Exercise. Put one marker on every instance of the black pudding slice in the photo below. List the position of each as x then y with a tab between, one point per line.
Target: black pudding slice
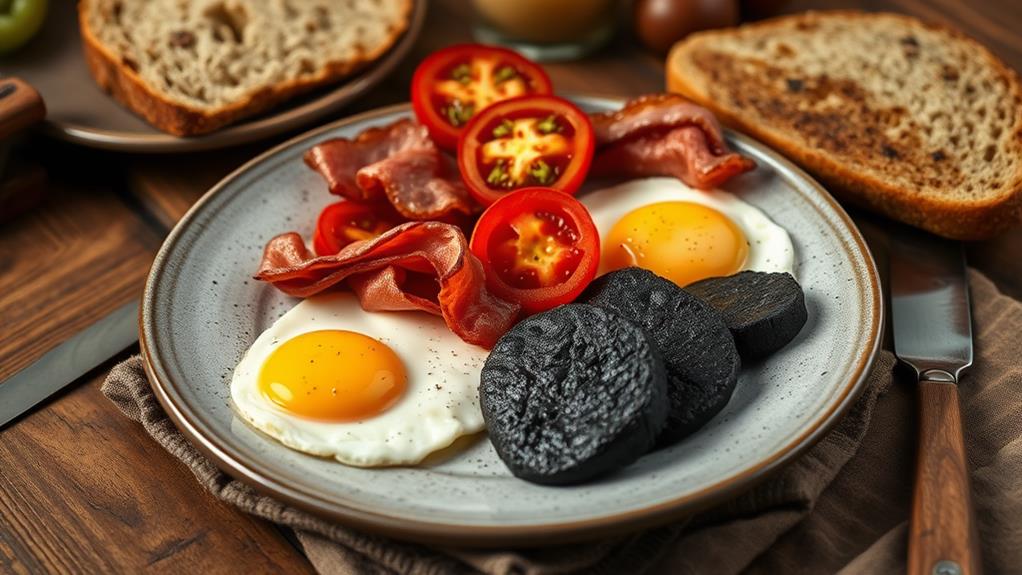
573	393
698	350
764	311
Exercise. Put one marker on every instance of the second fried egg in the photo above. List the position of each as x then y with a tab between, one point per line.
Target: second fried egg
684	234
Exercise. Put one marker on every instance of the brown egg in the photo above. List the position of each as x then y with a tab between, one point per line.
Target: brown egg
661	23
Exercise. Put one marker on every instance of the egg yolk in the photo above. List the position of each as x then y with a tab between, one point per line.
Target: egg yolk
681	241
333	375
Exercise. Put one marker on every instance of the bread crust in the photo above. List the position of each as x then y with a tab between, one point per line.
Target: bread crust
948	217
128	87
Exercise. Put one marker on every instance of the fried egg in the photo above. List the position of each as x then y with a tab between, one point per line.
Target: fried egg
368	389
684	234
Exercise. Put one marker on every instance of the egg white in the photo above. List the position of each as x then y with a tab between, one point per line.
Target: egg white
770	248
440	403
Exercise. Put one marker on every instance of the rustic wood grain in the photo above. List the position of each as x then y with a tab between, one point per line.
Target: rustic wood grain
85	490
82	489
942	527
65	265
22	187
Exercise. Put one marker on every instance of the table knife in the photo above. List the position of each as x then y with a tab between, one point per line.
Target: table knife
933	335
68	361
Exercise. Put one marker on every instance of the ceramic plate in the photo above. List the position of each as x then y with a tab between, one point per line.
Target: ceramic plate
79	111
201	311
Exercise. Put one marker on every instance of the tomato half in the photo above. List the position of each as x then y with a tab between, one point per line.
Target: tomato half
344	222
526	142
538	246
452	85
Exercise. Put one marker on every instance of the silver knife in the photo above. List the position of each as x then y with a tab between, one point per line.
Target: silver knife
933	335
68	361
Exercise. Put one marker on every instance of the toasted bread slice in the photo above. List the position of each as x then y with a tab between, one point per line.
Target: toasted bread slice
913	120
191	66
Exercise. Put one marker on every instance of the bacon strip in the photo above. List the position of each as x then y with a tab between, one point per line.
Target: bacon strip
398	162
416	266
665	135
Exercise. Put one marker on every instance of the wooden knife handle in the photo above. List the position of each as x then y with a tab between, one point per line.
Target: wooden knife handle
942	538
20	106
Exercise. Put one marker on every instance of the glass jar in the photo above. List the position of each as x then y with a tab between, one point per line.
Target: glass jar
546	30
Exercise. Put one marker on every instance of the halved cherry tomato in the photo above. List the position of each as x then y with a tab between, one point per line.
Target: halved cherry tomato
525	142
344	222
452	85
538	246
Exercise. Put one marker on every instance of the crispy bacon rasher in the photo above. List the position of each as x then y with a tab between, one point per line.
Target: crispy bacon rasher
398	162
665	135
416	266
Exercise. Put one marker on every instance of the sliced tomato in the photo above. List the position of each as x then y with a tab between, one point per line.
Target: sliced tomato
452	85
526	142
538	246
342	223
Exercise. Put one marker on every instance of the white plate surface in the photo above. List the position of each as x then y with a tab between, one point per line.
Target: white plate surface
202	311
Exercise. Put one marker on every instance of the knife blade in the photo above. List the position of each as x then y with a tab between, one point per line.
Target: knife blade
68	361
930	304
932	327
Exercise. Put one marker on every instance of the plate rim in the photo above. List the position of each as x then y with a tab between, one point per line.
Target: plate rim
242	468
265	126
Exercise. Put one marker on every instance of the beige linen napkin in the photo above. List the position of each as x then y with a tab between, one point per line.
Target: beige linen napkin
842	506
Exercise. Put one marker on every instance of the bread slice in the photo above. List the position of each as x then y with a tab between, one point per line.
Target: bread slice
192	66
913	120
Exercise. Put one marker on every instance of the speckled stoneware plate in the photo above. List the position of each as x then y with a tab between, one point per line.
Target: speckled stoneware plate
201	311
79	111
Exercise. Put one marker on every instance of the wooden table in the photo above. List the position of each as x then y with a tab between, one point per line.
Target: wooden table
84	489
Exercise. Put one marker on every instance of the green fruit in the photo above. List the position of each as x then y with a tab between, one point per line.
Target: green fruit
19	21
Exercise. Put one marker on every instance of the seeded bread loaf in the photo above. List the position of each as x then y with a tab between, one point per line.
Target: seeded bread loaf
191	66
916	121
